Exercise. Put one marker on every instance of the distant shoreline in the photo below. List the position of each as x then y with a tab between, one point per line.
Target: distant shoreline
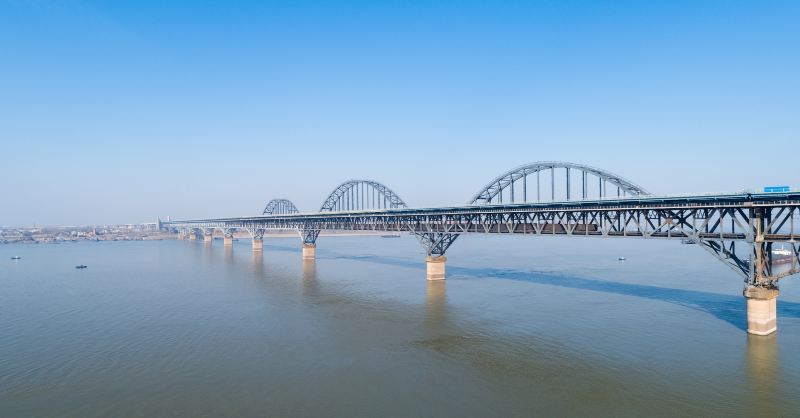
61	237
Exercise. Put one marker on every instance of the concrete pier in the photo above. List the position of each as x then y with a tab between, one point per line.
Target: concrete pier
227	241
208	237
192	236
435	267
761	309
309	251
258	244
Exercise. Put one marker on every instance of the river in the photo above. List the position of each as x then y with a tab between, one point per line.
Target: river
523	326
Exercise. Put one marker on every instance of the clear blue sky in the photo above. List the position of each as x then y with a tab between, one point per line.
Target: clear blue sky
115	111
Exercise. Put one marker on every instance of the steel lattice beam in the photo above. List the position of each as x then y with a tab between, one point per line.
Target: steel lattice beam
739	229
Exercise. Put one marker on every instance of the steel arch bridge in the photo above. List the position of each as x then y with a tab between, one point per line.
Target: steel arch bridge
516	180
361	195
280	207
755	234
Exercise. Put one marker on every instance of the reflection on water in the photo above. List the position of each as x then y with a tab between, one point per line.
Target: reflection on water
257	259
189	329
228	254
309	276
762	371
436	305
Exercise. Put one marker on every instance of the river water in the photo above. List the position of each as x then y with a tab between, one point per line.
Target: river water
523	326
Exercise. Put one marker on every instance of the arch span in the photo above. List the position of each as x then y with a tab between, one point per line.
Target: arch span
280	207
361	195
515	186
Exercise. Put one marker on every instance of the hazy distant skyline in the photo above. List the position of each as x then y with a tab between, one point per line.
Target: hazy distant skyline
114	112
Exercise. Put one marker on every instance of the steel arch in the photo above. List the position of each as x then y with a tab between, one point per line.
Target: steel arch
280	207
508	179
361	195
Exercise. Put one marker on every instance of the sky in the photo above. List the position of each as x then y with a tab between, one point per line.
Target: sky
125	111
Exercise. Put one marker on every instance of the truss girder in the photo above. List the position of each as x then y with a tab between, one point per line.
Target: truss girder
309	235
256	233
743	233
436	243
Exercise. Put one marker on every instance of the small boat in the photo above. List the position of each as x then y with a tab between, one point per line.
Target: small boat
687	241
391	236
621	258
16	257
82	266
782	256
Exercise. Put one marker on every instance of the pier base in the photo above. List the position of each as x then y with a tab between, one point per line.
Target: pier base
192	236
227	241
761	309
208	238
258	244
309	251
435	267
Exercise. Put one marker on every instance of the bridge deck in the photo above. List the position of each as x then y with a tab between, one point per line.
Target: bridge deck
739	200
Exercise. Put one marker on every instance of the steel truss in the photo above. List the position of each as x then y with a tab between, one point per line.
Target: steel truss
280	207
256	233
516	180
361	195
309	236
742	230
436	243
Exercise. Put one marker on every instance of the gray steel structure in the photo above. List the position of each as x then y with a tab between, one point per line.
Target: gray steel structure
514	180
740	229
279	207
360	195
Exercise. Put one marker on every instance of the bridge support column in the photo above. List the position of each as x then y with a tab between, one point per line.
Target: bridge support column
227	241
761	309
258	244
309	251
309	237
436	243
208	237
434	266
192	235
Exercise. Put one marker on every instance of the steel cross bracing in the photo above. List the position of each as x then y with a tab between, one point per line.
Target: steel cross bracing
513	186
279	207
361	195
370	194
739	229
308	235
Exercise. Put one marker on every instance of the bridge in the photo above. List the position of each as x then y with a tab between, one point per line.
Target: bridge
755	234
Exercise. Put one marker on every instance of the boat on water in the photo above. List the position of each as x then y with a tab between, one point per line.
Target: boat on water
688	241
782	256
16	257
621	258
82	266
390	236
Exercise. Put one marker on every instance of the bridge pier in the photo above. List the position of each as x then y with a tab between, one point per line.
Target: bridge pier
434	266
192	235
309	251
761	309
258	244
208	237
227	240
